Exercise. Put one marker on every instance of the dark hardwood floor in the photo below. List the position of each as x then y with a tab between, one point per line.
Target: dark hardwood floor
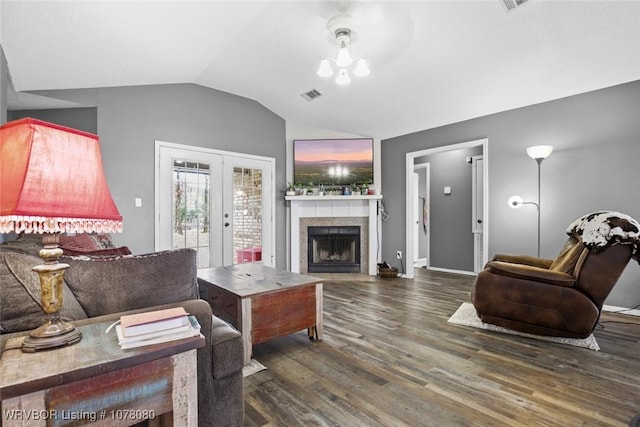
389	358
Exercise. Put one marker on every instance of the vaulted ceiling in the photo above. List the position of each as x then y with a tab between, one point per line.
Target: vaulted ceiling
432	62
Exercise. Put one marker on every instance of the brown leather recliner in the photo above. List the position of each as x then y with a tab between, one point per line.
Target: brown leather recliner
561	297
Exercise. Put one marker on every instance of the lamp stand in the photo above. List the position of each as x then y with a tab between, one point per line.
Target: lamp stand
54	332
539	161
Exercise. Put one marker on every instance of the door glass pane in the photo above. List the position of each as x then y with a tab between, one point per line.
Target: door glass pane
190	208
247	215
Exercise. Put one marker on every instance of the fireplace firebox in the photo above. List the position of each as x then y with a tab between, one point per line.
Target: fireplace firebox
333	249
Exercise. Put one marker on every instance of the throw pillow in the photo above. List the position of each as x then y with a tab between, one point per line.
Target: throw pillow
20	295
81	242
105	285
103	241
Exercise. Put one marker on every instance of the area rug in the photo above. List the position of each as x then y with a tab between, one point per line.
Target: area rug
466	315
253	367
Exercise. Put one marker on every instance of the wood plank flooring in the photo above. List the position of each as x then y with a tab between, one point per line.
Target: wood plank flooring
389	358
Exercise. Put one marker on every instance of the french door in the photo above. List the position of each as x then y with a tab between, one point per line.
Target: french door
218	203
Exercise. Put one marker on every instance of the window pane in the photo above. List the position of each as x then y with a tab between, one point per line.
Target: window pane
247	215
191	216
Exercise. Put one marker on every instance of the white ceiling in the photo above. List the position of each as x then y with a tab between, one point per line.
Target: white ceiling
432	62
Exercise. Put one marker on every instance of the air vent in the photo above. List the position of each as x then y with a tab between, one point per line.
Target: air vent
311	95
512	4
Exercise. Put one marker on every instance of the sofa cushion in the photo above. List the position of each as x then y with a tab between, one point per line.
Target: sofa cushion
20	295
106	285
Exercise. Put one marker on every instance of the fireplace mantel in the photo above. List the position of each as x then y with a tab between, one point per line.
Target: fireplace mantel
304	199
334	207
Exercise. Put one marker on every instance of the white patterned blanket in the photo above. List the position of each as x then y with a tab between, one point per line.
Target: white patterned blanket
599	230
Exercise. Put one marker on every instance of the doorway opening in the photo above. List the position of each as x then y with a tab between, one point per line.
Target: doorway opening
418	216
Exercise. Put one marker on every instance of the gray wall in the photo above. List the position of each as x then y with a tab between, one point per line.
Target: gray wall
4	86
130	119
451	236
594	166
85	119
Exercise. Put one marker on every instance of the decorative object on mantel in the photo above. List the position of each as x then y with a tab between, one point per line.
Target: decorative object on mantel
332	195
52	182
290	190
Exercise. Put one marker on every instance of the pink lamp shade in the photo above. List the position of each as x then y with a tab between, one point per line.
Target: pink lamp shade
52	181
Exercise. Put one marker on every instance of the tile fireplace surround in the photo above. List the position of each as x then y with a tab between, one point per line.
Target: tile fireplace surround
329	211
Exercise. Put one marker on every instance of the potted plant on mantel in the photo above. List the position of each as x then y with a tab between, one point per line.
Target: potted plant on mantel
364	188
302	189
290	190
360	188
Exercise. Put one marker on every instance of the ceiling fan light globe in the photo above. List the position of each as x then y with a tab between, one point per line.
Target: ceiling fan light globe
325	70
362	69
344	58
343	77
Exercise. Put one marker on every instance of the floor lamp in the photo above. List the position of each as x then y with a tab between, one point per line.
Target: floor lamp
538	153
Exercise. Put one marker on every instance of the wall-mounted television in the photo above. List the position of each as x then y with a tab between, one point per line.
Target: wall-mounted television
333	161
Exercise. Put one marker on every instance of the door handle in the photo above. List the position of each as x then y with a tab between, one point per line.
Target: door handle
479	221
226	224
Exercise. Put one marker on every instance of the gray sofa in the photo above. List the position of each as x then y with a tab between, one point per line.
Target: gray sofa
105	288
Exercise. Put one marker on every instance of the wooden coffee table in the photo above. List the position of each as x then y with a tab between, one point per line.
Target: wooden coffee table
263	303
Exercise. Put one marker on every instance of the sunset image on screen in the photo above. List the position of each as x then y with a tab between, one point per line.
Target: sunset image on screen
333	161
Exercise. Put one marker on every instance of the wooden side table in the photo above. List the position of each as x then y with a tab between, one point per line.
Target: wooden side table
263	303
95	382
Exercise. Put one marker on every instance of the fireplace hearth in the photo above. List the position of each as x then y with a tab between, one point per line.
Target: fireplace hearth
333	249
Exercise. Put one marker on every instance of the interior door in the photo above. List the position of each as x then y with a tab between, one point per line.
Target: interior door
416	220
421	241
217	203
477	209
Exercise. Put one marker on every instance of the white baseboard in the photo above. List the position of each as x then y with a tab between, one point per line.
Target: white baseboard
621	310
448	270
420	262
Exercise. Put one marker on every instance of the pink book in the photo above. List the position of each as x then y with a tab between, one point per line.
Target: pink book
153	321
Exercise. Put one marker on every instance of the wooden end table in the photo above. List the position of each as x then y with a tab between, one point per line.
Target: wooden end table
263	303
95	382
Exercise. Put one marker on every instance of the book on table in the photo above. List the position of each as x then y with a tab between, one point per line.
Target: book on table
192	329
161	333
153	321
